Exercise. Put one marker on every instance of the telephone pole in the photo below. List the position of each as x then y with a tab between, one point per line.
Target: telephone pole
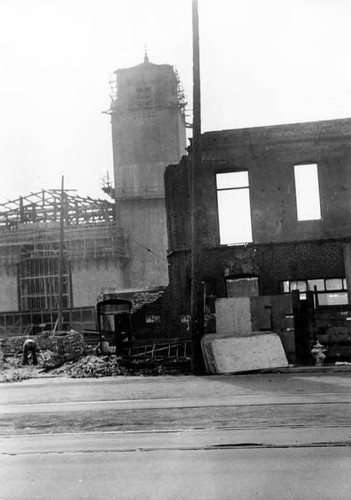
197	304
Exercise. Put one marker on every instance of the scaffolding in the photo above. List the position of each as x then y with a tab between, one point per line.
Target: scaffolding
30	243
30	228
45	206
182	102
16	323
38	280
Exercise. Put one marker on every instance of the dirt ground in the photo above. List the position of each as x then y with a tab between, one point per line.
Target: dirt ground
14	371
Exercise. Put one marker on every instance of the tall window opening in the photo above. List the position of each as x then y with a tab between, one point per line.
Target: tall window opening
307	192
39	278
234	211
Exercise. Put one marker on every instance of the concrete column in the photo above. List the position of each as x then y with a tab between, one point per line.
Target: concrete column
347	264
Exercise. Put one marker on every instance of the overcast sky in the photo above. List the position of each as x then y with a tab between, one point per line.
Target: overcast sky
262	63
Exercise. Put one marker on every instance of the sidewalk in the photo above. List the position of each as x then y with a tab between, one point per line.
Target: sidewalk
310	369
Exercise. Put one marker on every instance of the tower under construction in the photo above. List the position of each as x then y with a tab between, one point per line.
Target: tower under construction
148	133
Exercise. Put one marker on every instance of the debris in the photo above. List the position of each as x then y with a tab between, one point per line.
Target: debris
63	343
52	363
108	366
14	371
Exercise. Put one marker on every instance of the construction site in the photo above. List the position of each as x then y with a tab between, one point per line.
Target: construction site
61	253
94	253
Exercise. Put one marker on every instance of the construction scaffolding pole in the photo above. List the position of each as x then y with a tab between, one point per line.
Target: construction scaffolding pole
197	306
60	267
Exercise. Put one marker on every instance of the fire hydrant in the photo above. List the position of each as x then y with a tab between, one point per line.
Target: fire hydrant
317	352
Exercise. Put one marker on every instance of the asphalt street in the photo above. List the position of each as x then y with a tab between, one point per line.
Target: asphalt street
244	474
283	436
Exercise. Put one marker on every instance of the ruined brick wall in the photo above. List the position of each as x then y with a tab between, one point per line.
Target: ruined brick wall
70	344
269	154
271	263
283	248
178	204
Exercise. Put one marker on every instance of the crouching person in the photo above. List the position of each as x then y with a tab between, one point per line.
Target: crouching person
29	347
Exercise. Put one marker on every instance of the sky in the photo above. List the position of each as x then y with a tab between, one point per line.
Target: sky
262	63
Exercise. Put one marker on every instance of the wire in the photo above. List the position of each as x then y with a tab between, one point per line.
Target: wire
146	248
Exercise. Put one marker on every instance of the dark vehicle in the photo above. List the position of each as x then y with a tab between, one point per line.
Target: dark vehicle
114	323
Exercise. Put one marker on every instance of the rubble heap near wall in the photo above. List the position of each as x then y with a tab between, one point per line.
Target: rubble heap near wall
69	345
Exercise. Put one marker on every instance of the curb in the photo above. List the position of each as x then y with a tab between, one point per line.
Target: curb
309	369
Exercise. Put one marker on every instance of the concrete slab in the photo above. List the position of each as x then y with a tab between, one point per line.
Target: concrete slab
233	316
225	354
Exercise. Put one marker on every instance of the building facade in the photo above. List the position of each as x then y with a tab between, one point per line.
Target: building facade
275	206
148	133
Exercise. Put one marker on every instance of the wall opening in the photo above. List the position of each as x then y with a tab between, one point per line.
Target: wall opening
242	287
234	212
307	192
330	291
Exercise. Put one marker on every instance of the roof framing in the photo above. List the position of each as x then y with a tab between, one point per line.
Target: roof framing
45	206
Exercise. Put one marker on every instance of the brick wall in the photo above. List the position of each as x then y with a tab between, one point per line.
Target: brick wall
283	248
271	263
269	154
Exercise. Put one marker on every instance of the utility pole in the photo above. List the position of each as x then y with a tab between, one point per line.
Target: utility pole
197	305
60	266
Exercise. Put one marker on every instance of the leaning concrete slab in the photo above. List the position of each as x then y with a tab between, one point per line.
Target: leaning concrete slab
223	354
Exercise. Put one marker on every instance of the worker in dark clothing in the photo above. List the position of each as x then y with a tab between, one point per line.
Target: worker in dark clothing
29	347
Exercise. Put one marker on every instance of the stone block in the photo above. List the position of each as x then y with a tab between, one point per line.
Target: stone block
233	316
223	354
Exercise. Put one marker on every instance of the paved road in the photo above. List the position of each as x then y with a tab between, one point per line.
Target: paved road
266	437
216	473
172	403
305	474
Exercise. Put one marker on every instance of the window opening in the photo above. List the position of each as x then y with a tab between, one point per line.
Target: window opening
331	291
144	96
334	284
307	192
234	212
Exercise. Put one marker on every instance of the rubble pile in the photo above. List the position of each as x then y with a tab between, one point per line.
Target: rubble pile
92	366
63	343
54	349
13	371
108	366
69	344
65	354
